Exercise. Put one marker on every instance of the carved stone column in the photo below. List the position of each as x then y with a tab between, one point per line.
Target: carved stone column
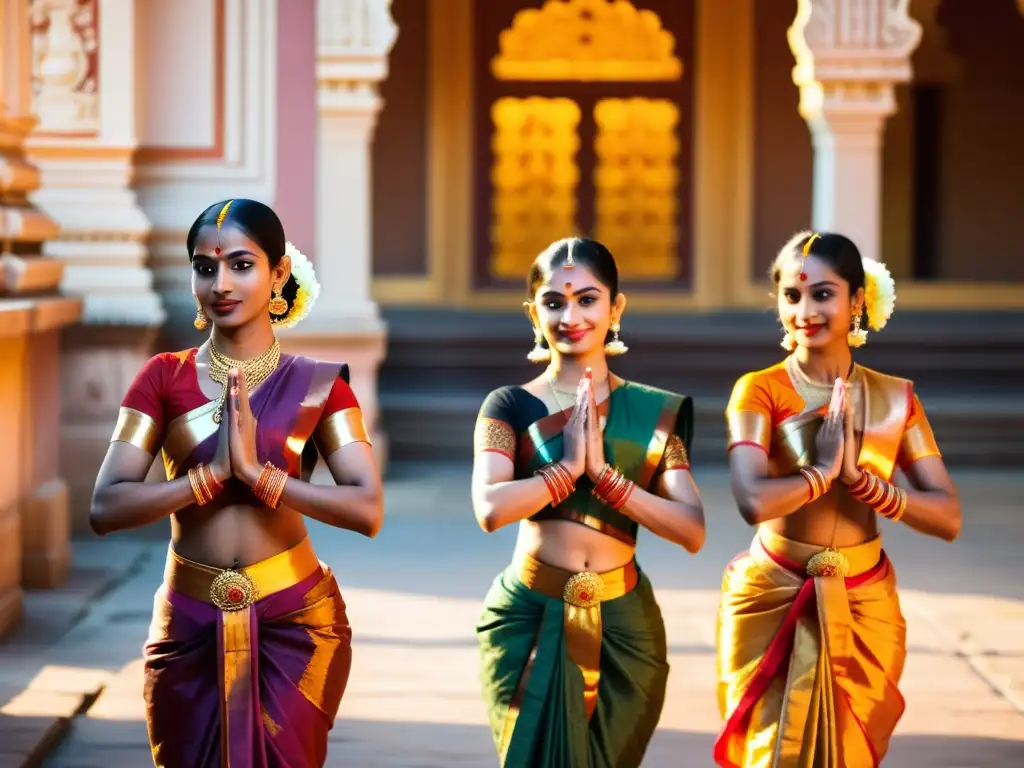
849	55
84	70
354	38
34	546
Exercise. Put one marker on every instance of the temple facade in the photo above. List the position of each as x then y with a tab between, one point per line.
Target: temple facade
421	152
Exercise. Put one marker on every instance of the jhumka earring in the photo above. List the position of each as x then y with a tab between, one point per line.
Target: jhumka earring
202	322
278	304
615	347
538	354
858	337
788	342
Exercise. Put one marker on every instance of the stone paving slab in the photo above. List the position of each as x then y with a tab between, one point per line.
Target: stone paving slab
39	696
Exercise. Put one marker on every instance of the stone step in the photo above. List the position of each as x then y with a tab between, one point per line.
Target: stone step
966	366
439	426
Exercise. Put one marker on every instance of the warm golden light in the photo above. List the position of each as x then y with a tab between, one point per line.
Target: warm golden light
636	181
589	40
534	179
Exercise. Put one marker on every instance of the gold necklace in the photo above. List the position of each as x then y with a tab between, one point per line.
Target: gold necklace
256	370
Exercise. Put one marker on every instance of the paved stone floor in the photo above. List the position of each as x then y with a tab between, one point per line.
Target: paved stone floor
414	594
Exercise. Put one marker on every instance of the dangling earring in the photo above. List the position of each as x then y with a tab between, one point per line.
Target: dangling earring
857	337
615	347
202	322
788	342
538	354
278	304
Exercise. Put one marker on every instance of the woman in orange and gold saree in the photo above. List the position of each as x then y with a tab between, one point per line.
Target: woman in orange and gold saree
811	639
573	652
250	647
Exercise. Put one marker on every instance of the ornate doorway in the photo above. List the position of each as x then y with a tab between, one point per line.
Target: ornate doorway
583	116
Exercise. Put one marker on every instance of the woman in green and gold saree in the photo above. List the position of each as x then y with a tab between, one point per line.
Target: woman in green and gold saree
573	653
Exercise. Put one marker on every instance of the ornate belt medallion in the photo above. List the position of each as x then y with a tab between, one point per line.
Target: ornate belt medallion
828	562
584	590
233	591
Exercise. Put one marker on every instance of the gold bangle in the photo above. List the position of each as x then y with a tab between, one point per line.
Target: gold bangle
558	480
270	485
816	480
197	487
901	506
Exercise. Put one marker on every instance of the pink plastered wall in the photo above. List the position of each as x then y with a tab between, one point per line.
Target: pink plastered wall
295	199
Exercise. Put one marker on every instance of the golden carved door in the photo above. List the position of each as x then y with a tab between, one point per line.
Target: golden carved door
583	125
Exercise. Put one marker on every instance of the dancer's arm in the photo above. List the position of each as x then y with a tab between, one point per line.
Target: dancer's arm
355	502
122	498
674	512
933	507
498	498
759	497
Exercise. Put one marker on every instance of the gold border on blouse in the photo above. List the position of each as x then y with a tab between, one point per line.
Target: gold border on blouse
339	429
748	427
137	428
185	433
918	443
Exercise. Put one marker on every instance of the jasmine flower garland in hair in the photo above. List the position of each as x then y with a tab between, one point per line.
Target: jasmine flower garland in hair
309	288
879	293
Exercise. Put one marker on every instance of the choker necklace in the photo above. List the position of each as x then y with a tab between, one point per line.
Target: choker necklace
256	370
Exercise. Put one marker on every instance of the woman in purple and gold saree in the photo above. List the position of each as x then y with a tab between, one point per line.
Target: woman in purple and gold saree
573	652
811	639
249	650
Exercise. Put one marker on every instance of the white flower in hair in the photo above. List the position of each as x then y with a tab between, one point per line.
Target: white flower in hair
309	288
879	293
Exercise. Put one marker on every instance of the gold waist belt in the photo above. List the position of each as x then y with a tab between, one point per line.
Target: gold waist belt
234	590
582	594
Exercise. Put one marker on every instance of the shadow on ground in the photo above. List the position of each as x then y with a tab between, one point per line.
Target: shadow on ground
101	744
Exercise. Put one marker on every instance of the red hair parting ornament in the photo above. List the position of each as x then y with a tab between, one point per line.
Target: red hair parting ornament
807	252
220	220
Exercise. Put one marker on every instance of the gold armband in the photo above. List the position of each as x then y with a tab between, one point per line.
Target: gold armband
674	456
339	429
138	429
494	435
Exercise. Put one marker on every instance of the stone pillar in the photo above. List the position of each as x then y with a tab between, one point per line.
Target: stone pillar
849	55
84	66
354	38
34	546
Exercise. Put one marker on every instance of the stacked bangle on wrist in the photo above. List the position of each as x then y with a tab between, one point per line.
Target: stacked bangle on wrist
270	485
204	485
816	480
558	480
613	488
885	498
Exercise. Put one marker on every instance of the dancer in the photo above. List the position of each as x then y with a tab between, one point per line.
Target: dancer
250	647
574	661
811	639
